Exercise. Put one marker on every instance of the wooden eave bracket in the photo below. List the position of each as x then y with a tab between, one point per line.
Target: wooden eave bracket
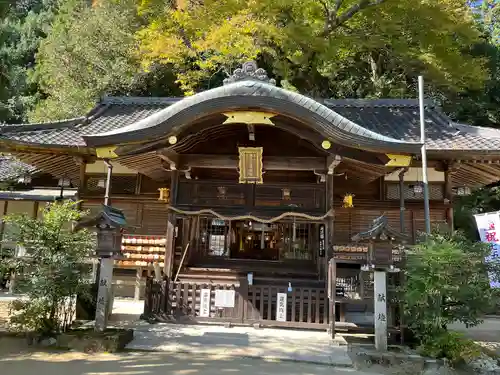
332	162
170	157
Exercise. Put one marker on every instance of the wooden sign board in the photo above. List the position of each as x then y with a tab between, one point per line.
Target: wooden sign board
382	254
350	256
322	241
250	165
397	255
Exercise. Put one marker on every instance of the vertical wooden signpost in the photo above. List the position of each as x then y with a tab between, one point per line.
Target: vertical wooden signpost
281	307
205	303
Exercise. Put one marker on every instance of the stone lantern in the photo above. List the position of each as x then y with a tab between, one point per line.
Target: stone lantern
108	224
384	246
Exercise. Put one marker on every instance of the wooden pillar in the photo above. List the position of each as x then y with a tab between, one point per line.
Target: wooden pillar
381	189
36	206
138	279
138	184
330	220
402	200
193	236
332	293
227	240
342	308
448	194
330	261
2	223
82	168
187	224
171	223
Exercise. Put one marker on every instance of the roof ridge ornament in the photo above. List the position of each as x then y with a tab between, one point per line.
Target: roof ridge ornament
249	71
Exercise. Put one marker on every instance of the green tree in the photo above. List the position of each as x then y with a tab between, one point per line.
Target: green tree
481	106
447	281
92	51
23	24
89	52
354	48
53	270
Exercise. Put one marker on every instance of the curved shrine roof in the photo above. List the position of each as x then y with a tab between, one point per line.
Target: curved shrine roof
383	121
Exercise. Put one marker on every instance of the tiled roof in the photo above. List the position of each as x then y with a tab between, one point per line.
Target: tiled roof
400	119
10	168
254	94
392	118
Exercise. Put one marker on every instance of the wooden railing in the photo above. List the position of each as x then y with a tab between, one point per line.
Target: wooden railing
169	301
306	306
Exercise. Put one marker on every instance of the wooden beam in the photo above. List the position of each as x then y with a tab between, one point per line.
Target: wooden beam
270	162
478	171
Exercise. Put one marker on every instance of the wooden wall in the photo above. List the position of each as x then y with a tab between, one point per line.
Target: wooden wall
350	221
147	215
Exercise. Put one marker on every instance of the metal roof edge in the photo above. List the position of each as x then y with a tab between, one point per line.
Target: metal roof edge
481	131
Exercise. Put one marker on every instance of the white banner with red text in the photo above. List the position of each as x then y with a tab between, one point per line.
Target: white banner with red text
488	226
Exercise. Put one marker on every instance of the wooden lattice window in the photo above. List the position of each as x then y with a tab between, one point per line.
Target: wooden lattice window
304	197
150	186
211	194
120	184
436	192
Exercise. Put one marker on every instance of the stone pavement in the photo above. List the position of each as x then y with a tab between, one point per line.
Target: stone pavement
154	363
288	345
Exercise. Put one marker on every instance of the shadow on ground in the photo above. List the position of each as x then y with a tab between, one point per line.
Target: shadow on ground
140	363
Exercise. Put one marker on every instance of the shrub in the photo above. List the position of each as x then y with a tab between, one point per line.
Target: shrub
450	345
53	271
447	281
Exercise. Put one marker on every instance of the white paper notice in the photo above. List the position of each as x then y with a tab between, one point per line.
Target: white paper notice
224	298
